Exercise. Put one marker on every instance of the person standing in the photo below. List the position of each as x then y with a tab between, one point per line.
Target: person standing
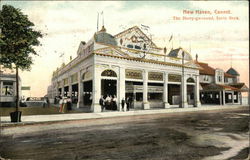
114	102
123	103
130	100
101	102
69	104
108	101
64	105
127	103
61	104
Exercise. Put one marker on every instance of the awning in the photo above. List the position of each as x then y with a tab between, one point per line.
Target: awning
241	87
217	87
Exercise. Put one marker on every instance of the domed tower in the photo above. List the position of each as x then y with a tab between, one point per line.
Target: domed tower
103	37
234	73
178	53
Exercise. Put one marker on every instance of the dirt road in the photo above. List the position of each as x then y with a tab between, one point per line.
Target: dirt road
204	135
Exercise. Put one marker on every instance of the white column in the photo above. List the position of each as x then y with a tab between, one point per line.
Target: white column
145	90
96	90
183	92
121	88
165	91
197	102
240	99
80	91
224	97
70	87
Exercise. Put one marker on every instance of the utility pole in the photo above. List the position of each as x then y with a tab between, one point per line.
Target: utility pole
182	82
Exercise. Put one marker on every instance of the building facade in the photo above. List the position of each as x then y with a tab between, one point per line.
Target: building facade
128	64
8	89
219	87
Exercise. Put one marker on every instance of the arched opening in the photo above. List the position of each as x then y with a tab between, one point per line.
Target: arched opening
109	89
190	80
87	88
109	73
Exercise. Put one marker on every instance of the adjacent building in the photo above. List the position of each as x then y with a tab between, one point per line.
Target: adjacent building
8	89
219	87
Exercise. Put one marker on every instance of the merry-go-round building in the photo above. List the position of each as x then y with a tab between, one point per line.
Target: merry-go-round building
128	64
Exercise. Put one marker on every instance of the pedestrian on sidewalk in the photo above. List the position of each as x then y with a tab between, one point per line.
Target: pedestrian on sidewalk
69	104
101	102
108	102
64	109
123	103
127	103
61	104
114	103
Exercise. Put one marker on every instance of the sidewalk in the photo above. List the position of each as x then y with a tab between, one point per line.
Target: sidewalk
34	119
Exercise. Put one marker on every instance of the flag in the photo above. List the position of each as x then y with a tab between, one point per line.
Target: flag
145	27
97	21
171	37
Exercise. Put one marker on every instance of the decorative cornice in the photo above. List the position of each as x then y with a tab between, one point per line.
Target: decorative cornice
144	60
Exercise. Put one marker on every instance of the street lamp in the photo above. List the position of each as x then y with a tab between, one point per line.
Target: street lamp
182	82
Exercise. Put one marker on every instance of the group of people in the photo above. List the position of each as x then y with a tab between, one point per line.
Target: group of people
65	104
109	102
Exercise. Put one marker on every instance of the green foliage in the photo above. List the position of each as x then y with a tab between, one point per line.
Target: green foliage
18	38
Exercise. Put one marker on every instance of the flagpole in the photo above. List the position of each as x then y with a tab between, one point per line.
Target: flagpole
102	18
97	21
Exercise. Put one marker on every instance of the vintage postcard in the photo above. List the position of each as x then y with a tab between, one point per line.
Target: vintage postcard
124	80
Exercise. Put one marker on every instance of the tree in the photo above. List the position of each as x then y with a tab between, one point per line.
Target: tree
18	38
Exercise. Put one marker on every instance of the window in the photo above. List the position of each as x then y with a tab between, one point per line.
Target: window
226	79
205	78
109	73
7	89
155	96
137	47
190	80
219	78
139	96
130	46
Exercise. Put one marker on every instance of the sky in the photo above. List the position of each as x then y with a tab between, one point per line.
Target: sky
220	43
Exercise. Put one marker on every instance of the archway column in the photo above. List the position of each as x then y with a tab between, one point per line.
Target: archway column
165	91
240	98
197	102
183	92
220	97
121	88
70	88
224	97
96	90
145	90
232	97
80	91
